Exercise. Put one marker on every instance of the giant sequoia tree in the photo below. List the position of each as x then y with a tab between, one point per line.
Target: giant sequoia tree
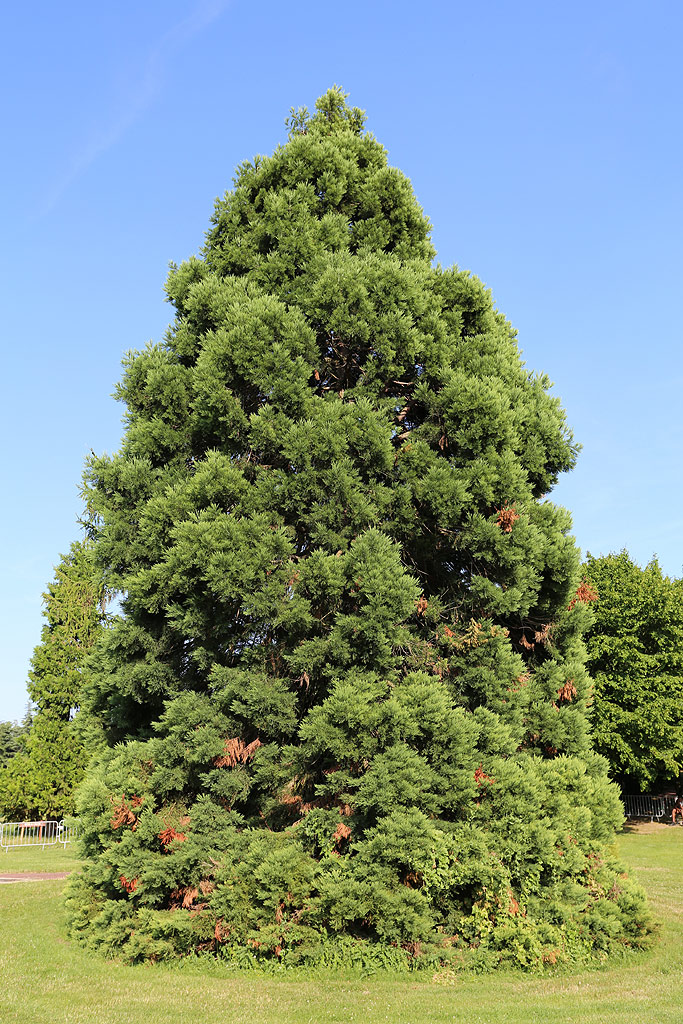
346	695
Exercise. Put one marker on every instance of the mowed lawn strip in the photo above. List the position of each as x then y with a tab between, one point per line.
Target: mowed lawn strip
44	976
35	858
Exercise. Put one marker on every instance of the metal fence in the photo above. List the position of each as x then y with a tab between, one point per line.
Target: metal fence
18	834
646	806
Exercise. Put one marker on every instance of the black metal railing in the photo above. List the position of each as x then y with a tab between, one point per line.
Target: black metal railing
644	805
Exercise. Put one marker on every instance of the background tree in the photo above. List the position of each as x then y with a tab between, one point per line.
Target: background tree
10	741
635	655
39	781
346	694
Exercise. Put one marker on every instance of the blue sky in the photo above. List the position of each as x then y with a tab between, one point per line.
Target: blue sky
544	141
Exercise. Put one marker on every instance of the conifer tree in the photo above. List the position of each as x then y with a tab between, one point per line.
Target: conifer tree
40	780
345	700
10	741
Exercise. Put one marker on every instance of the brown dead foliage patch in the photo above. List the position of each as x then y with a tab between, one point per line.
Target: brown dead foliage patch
480	776
541	635
341	832
507	517
168	835
185	897
236	751
190	896
297	803
122	813
567	692
585	594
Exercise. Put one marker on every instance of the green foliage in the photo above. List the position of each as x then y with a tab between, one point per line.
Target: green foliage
11	736
635	655
346	698
40	780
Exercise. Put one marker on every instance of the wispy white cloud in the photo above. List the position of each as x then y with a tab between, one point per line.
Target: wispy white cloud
140	96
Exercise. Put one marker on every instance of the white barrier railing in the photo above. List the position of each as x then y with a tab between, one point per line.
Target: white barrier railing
19	834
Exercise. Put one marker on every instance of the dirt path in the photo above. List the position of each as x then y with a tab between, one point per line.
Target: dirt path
32	876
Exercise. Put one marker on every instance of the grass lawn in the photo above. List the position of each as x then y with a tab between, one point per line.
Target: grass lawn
46	978
34	858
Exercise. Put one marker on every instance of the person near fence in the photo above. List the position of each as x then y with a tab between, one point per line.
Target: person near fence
677	810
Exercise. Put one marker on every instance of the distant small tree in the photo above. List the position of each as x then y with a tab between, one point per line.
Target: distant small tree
40	778
10	741
635	655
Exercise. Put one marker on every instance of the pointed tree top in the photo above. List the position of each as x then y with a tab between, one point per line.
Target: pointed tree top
332	114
